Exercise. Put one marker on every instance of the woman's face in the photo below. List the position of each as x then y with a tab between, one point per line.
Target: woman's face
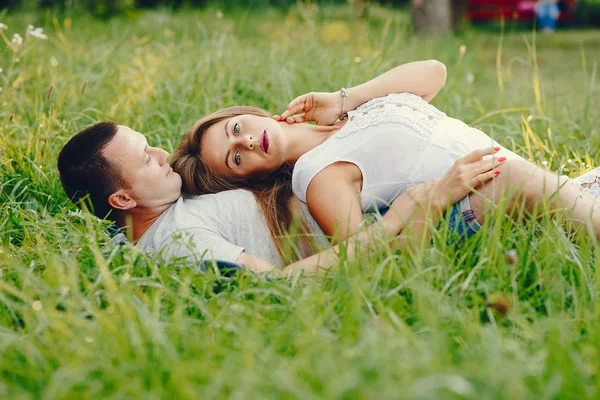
244	146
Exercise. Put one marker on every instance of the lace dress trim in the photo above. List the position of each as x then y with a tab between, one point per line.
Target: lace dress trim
590	183
402	108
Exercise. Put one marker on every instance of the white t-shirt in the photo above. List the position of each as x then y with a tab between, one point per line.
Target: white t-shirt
216	226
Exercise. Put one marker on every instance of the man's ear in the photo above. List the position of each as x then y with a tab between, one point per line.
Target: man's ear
121	200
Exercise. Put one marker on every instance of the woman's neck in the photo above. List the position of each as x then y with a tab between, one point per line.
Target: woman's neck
303	137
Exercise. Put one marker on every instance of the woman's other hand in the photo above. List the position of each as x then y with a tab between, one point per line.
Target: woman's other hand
466	174
322	108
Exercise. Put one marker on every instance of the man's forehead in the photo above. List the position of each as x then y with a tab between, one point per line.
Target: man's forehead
125	142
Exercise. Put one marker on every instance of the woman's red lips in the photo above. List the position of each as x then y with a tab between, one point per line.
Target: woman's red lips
264	141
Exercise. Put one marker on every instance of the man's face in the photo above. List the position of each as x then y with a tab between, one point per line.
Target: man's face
152	181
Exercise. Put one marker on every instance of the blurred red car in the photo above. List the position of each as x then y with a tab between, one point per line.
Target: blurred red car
482	10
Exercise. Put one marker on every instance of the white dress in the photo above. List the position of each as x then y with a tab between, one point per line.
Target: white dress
396	141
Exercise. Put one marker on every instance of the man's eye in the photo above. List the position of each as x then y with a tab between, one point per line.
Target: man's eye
237	158
148	160
236	128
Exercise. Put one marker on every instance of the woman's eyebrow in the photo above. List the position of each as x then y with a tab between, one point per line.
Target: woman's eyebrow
227	158
228	151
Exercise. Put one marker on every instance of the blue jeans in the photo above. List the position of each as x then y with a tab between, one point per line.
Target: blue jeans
461	220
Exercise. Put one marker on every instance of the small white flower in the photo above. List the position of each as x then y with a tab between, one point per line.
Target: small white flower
17	40
0	89
36	32
1	70
37	305
3	27
220	14
470	77
53	61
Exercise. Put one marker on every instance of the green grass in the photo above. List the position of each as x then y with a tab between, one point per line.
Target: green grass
79	319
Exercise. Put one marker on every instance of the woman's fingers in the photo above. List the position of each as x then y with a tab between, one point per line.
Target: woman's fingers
480	153
483	178
295	106
482	166
295	119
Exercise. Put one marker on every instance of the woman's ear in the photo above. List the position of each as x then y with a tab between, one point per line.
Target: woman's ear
121	200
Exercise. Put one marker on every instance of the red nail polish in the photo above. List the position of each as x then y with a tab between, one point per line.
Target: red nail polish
496	172
501	159
497	148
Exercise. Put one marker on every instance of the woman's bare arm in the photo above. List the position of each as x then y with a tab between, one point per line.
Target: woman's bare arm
411	210
333	199
423	78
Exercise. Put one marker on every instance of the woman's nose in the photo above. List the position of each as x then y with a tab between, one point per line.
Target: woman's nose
248	142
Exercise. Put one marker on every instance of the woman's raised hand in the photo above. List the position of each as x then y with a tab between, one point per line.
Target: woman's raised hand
466	174
323	108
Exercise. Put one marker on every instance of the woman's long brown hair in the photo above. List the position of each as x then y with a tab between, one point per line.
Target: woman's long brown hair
273	194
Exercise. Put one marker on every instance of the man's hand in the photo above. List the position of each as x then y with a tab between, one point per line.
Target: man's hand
256	264
323	108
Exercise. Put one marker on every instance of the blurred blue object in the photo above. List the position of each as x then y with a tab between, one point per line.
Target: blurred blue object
226	268
547	13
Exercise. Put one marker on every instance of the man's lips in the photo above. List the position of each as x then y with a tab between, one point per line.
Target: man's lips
264	141
170	170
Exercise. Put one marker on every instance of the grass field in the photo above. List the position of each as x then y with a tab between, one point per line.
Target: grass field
80	319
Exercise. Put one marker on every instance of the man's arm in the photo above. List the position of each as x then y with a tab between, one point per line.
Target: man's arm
401	210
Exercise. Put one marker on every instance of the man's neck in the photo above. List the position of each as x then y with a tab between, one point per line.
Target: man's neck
138	220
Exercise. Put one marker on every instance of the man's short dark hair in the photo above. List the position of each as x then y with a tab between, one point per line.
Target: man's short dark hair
84	171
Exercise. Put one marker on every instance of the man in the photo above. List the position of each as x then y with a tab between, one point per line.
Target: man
133	184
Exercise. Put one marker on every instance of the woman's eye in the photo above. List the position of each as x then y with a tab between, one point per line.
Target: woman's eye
236	128
237	158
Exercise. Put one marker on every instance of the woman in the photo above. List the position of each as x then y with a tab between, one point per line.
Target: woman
356	161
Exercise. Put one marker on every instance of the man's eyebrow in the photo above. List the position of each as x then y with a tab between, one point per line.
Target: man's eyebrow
227	129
